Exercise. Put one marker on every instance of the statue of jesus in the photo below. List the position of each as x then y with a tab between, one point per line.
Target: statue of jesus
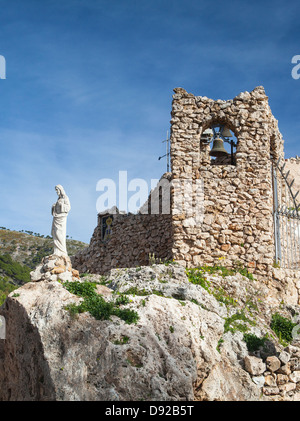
60	211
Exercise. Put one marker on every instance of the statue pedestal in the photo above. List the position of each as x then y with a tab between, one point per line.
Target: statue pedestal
54	268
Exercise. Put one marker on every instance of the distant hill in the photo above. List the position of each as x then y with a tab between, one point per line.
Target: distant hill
29	248
21	252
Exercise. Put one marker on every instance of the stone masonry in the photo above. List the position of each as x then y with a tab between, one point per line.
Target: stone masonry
235	224
133	238
238	200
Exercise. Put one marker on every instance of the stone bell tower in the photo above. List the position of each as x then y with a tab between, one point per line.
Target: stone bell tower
236	224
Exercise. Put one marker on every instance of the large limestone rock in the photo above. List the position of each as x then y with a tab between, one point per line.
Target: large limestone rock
177	350
169	354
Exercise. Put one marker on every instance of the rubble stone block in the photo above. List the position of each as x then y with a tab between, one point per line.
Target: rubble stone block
273	363
270	380
255	366
271	390
284	357
282	379
288	387
295	376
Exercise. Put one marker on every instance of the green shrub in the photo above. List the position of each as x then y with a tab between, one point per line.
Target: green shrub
83	289
220	342
136	291
129	316
253	342
196	276
283	328
122	300
244	272
96	305
237	322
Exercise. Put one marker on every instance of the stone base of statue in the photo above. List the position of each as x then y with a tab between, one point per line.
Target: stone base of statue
55	268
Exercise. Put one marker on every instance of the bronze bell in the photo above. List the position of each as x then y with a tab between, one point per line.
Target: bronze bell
218	148
226	132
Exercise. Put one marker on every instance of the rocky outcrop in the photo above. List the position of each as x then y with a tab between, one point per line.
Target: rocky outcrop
187	343
53	268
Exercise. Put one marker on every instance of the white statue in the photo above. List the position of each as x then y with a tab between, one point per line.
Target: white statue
60	211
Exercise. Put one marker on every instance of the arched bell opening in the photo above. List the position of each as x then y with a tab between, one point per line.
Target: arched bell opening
218	142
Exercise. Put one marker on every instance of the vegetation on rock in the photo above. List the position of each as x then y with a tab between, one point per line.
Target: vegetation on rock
253	342
283	328
246	313
96	305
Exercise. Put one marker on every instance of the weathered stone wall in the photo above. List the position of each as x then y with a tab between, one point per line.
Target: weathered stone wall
238	199
286	282
134	238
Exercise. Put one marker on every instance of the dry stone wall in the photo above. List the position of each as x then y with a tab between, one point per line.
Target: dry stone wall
238	200
133	239
278	376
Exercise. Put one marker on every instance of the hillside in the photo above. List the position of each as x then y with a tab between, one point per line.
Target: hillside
21	252
28	248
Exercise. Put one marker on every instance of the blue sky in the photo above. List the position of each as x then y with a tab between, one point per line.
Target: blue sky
89	86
